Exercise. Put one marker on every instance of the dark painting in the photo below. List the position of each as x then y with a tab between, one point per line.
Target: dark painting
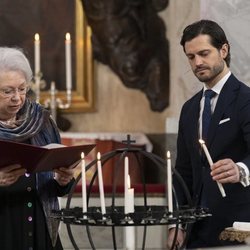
52	19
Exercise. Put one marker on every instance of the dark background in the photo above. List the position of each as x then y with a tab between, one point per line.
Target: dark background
52	19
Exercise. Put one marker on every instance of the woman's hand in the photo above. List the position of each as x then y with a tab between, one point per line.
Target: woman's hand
64	175
10	174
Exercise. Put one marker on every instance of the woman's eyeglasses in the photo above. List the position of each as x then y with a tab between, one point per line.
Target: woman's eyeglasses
9	92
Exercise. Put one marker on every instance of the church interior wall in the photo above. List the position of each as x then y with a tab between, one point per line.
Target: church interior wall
120	109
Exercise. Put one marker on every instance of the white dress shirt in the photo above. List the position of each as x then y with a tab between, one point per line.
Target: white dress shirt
217	89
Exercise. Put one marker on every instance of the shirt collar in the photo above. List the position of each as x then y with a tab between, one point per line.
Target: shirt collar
219	85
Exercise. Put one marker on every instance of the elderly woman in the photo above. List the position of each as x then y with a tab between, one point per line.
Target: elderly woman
27	200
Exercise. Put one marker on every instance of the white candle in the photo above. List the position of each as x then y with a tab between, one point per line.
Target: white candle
53	88
37	65
100	182
129	208
68	62
169	184
37	53
129	202
84	193
53	99
126	166
210	161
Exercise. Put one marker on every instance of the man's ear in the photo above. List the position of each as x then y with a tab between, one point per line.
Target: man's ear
224	50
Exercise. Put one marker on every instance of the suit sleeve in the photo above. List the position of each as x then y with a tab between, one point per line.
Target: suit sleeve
244	121
183	166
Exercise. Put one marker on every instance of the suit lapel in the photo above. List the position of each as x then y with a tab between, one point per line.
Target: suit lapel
227	95
194	116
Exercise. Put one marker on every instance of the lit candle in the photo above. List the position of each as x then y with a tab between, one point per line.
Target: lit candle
37	53
125	178
169	184
68	62
100	182
84	193
37	65
210	161
129	208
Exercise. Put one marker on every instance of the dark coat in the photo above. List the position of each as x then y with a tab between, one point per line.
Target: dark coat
230	139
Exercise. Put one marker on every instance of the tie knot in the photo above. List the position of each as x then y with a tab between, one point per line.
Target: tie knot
209	93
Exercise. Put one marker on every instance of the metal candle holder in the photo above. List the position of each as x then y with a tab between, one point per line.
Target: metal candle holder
143	216
115	216
53	102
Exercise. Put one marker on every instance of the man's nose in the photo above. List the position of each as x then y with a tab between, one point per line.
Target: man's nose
198	60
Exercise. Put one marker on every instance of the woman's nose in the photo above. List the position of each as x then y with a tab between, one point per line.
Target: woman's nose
16	95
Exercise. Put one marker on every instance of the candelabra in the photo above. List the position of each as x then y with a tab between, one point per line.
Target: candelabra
116	216
52	102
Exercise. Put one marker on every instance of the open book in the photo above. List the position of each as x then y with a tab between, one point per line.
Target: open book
38	159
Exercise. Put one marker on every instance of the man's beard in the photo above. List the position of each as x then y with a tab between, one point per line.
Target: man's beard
213	73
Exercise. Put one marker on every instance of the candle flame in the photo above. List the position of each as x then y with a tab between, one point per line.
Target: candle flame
168	154
98	156
37	37
201	141
128	180
126	160
82	155
67	36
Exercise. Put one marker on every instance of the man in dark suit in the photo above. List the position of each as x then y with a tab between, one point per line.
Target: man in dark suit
227	139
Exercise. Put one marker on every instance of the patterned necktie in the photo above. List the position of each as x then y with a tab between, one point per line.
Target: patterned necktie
207	112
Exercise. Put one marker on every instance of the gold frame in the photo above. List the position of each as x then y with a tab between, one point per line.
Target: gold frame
83	95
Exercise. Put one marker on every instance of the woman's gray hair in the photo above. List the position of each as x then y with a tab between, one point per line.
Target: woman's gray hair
13	59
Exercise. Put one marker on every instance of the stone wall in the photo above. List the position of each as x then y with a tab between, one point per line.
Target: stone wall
119	109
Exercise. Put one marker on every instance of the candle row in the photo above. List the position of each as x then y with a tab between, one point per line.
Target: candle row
100	183
128	191
128	196
68	64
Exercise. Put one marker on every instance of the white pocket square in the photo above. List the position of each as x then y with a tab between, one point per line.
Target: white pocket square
224	120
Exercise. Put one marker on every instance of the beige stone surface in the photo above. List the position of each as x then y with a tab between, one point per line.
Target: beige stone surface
119	109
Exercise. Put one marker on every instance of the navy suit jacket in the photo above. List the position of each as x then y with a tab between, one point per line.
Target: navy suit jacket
230	139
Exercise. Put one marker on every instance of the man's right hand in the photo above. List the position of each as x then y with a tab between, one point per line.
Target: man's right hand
179	240
10	174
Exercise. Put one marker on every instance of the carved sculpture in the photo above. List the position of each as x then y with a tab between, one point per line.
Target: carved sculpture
129	36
